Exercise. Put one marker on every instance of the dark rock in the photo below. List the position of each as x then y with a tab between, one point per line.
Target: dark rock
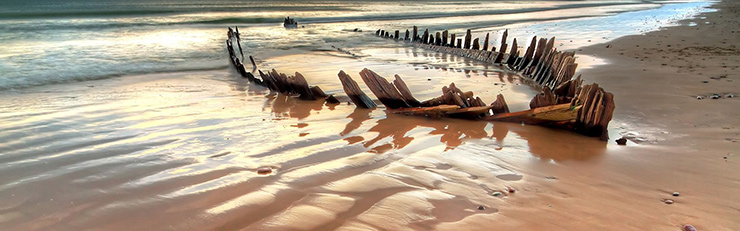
264	170
689	228
480	207
668	201
622	141
715	96
675	194
510	189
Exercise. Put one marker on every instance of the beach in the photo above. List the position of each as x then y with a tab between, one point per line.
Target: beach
148	127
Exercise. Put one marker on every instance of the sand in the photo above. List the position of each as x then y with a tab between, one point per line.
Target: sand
180	151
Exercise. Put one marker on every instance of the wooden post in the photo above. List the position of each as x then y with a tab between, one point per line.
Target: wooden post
503	40
438	39
468	36
476	46
499	105
528	55
254	65
513	54
452	41
444	38
501	54
406	38
416	32
425	36
485	42
397	35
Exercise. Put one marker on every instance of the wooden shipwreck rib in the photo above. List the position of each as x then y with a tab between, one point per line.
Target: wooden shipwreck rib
563	103
295	85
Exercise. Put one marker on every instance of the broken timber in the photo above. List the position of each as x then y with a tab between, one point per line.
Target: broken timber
295	85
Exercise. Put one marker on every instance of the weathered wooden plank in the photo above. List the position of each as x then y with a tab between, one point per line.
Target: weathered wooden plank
302	88
405	92
485	42
542	115
386	92
433	111
354	92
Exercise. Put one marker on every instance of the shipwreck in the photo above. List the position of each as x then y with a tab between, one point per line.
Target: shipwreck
564	102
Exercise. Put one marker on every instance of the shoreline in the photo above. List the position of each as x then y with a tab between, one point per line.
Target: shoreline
656	78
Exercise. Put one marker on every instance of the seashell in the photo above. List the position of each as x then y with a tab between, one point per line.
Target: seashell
689	228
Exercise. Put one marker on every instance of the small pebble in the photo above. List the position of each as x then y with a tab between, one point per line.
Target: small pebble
510	189
689	228
725	157
668	201
480	207
264	170
714	96
497	194
622	141
699	97
675	194
705	81
730	95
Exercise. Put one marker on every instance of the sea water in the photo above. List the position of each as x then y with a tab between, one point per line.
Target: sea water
46	42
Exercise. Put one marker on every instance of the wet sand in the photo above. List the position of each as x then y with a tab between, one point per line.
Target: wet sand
180	151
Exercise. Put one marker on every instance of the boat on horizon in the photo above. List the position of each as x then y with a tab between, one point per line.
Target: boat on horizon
290	23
